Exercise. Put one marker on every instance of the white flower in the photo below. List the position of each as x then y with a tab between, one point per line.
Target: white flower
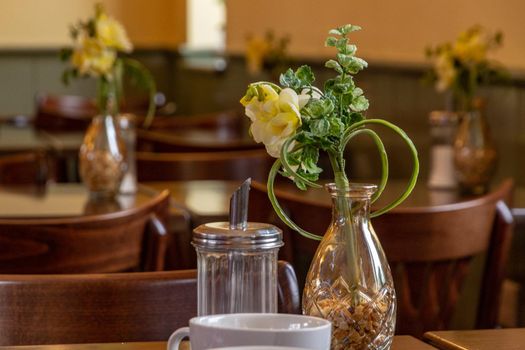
446	73
275	117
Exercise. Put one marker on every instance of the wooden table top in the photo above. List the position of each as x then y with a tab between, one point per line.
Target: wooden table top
485	339
402	342
209	200
62	200
22	138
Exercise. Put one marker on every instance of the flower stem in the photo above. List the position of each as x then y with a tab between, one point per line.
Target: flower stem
342	185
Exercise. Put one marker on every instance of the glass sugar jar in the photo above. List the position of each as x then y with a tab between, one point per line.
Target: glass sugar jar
237	267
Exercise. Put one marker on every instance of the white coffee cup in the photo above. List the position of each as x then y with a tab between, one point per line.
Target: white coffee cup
215	331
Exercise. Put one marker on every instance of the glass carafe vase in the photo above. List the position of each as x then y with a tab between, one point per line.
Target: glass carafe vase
475	155
349	281
102	156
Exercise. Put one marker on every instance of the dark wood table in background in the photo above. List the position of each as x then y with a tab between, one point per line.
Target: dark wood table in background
62	200
483	339
400	343
209	200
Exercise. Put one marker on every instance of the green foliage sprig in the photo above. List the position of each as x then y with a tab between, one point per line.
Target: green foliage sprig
297	120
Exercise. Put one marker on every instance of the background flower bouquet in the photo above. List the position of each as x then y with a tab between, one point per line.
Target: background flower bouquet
97	43
462	66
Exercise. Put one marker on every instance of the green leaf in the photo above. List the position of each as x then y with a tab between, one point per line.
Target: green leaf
335	32
320	127
359	104
334	65
357	92
330	41
310	156
348	28
288	79
341	44
65	54
66	76
344	60
351	49
305	75
357	64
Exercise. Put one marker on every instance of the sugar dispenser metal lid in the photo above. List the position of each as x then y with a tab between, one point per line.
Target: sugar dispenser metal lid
238	233
237	262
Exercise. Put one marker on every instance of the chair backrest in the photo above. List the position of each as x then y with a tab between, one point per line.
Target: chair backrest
234	165
429	251
97	243
64	112
214	132
224	122
94	308
28	168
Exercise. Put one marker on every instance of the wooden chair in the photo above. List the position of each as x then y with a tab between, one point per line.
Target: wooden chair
225	121
28	168
119	241
429	251
214	132
234	165
94	308
74	113
64	112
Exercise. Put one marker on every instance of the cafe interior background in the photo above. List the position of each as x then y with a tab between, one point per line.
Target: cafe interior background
196	50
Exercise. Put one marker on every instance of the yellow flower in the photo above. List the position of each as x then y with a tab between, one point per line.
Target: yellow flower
445	71
471	47
256	50
90	57
275	117
112	34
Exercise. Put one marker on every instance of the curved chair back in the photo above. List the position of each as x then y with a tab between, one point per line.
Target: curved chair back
430	250
28	168
120	241
120	307
64	112
234	165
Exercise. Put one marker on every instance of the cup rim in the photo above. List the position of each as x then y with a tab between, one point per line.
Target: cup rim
323	323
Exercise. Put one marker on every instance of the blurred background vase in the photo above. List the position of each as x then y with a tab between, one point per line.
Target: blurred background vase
102	157
127	126
475	155
443	127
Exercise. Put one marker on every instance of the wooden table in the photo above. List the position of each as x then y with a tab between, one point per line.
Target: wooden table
400	343
209	200
23	138
62	200
487	339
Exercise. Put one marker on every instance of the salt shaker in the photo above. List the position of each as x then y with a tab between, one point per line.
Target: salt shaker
237	262
442	132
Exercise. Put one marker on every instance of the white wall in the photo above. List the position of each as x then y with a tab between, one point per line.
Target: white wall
45	23
393	31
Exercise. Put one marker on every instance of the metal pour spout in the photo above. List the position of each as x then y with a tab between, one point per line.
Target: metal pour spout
239	206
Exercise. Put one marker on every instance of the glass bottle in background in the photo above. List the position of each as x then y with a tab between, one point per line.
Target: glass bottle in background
102	156
443	125
126	124
475	155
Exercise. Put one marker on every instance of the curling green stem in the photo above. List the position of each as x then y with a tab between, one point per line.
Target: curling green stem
382	153
341	180
148	83
413	151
